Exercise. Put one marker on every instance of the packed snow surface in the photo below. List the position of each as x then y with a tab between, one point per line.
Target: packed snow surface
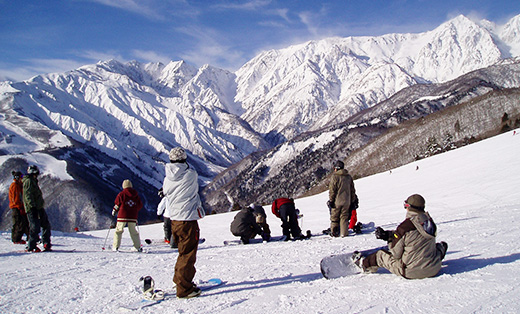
472	193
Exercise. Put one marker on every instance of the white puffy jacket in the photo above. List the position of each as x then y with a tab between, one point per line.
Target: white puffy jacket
181	188
162	208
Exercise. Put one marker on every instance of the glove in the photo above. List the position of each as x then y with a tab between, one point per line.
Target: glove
382	234
115	210
160	193
331	204
160	217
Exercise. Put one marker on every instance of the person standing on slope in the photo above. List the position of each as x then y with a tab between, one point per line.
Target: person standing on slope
342	195
413	253
20	222
181	188
285	209
127	206
33	203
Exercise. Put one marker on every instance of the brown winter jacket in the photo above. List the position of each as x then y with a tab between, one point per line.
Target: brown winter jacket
413	243
341	189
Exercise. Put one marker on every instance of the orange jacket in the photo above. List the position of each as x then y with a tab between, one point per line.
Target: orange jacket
16	196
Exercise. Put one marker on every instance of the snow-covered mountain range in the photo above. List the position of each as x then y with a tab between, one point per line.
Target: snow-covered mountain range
123	118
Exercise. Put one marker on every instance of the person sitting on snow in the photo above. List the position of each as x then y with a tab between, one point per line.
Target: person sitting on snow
244	225
413	253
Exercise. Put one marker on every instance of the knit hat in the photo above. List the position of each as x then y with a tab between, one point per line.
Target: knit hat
127	184
16	174
339	165
177	154
416	202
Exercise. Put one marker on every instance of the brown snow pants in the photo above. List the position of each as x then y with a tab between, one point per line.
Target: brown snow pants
186	235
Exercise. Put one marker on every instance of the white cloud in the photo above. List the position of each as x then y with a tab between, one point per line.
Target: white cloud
35	67
150	56
248	5
95	56
140	7
211	48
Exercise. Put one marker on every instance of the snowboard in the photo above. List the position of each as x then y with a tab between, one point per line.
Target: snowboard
341	265
254	241
203	285
49	251
308	235
360	227
161	241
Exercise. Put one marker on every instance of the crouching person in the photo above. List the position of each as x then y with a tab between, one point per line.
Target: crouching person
261	220
244	224
413	253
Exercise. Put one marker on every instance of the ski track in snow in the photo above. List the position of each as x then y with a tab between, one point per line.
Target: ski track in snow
472	194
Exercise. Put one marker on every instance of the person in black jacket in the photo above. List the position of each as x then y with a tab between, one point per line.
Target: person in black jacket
244	224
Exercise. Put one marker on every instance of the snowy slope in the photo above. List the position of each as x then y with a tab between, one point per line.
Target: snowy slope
472	194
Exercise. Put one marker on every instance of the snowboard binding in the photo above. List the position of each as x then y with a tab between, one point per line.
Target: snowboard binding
149	291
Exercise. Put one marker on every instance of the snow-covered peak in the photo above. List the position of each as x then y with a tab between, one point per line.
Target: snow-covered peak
510	34
330	79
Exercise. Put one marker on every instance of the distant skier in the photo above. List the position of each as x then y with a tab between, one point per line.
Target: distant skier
127	206
285	209
181	187
33	203
413	253
20	222
244	224
342	197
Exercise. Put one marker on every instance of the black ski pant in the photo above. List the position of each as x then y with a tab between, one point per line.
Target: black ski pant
289	220
38	220
20	225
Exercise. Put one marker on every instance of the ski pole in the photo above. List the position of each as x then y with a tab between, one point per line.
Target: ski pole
106	238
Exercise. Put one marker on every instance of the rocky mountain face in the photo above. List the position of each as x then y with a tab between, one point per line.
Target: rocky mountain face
112	121
395	132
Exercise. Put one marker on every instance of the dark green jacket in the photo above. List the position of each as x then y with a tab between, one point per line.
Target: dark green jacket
32	195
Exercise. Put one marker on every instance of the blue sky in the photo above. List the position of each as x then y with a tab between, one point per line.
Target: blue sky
44	36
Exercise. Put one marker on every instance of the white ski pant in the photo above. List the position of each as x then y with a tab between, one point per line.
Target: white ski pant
134	234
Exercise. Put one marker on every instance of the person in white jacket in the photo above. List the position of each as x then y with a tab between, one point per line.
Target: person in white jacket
164	213
181	189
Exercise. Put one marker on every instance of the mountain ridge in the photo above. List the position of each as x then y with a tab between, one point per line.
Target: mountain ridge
130	115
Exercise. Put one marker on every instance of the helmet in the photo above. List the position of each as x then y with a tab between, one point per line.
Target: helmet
33	169
416	201
339	165
177	154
